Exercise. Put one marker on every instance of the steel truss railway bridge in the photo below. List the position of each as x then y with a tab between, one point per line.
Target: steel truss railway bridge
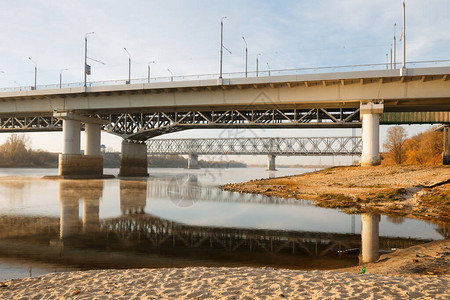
138	112
272	147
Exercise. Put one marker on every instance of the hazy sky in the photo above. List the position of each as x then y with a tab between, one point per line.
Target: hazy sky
184	36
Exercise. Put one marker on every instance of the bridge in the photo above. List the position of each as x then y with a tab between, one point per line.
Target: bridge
304	146
137	112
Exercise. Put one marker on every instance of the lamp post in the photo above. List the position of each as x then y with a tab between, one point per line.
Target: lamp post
404	39
221	46
85	57
171	78
268	67
390	52
60	77
246	55
257	63
148	70
129	65
35	71
394	47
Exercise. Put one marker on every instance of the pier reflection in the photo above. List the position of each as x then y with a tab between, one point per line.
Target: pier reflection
70	193
136	238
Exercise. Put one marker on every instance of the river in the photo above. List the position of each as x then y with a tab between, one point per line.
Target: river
177	218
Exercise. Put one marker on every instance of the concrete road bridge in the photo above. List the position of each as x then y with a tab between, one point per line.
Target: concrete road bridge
272	147
137	112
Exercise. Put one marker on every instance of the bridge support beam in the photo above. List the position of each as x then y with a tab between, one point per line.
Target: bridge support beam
446	153
193	162
133	160
370	114
370	248
271	163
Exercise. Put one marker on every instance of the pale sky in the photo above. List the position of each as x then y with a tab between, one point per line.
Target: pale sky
184	36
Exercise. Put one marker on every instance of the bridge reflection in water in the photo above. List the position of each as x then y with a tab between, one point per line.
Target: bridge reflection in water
139	239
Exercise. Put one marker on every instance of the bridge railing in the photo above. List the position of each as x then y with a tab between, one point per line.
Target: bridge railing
262	73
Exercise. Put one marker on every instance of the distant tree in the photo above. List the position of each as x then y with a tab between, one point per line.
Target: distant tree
15	150
396	137
424	148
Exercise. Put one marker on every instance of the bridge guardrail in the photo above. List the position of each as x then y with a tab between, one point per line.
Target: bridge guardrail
276	72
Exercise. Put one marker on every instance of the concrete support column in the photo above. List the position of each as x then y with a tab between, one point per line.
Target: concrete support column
71	163
370	115
133	160
271	163
370	238
446	152
71	134
70	156
193	162
92	139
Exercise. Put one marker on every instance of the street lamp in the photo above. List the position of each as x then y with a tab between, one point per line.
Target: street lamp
268	67
257	63
148	71
60	77
35	71
87	70
246	55
395	43
129	65
171	78
221	46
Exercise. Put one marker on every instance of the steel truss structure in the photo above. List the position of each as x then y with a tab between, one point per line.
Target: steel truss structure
257	146
140	126
29	124
143	126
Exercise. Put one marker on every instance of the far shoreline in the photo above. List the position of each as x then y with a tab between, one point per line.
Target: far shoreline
420	192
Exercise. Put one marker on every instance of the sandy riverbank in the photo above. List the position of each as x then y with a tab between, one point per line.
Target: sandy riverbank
223	283
411	191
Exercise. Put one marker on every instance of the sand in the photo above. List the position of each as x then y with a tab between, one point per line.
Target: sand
403	190
223	283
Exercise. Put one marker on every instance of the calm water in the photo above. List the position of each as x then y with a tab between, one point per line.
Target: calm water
176	217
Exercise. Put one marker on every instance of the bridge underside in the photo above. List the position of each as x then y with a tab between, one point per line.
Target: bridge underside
141	126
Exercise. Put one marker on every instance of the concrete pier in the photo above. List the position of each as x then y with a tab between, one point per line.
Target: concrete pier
370	115
369	238
271	163
193	162
72	164
446	152
133	160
